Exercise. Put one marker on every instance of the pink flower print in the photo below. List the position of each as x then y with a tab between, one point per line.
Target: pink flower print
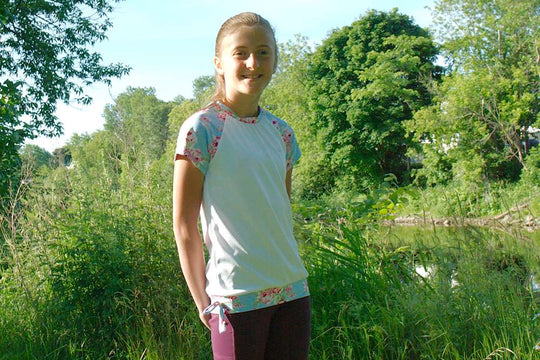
248	120
289	292
287	137
212	106
222	115
194	155
275	123
235	303
213	147
190	139
267	296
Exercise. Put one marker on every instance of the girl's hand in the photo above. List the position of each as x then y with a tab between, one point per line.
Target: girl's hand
205	318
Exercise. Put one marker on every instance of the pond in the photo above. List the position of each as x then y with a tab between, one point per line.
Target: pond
441	250
445	292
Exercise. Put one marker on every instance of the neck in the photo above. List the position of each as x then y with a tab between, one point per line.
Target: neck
244	107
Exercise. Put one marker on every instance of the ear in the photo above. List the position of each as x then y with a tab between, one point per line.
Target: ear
276	59
217	65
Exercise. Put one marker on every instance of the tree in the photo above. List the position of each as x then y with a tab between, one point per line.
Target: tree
483	109
203	90
138	121
365	80
45	58
203	85
35	156
287	97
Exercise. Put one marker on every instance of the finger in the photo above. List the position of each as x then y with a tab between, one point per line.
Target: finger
205	320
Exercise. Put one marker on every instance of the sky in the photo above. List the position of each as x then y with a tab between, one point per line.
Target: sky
169	43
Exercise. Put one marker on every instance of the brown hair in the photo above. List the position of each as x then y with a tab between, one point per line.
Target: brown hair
231	24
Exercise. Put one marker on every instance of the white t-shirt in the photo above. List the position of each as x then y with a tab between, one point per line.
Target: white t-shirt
246	214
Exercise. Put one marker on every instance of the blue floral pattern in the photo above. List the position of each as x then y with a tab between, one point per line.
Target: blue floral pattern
201	140
264	298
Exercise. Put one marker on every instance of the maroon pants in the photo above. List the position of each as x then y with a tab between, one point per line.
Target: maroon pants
279	332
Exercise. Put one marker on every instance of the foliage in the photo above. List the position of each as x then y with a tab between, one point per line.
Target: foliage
100	265
287	97
138	120
203	85
477	128
203	90
102	279
35	156
474	300
364	81
45	58
9	159
89	270
531	173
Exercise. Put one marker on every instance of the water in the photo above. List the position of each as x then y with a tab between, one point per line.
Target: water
439	252
535	284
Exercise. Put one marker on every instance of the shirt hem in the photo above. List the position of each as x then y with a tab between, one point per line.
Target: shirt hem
263	298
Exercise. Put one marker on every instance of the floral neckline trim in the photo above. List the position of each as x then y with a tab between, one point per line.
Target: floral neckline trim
247	120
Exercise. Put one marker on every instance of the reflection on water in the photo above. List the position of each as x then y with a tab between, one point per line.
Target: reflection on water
425	271
438	252
437	255
429	271
535	284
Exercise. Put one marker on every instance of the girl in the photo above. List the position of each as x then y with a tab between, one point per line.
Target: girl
234	162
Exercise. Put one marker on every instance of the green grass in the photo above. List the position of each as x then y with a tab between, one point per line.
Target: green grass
369	304
368	301
489	200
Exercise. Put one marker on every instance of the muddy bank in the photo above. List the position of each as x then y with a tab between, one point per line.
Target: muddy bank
528	222
518	216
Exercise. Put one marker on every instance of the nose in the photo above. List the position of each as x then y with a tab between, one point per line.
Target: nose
251	61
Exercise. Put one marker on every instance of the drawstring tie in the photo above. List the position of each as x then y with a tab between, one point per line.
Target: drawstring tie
222	319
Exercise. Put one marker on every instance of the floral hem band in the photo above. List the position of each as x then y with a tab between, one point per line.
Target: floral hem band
256	300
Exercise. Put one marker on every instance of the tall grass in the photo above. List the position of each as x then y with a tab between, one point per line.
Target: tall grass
489	199
100	279
370	303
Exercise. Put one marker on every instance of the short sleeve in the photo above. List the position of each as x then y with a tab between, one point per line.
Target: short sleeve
192	142
293	150
292	153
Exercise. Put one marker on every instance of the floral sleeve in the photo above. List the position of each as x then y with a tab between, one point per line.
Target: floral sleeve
293	151
193	143
291	145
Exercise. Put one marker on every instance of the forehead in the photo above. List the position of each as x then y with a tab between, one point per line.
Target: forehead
248	36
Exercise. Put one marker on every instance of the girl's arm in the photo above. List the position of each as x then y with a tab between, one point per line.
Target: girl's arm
187	197
288	180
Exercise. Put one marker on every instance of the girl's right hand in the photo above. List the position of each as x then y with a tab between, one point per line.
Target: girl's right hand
205	318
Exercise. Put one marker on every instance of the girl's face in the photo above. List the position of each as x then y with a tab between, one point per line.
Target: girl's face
246	62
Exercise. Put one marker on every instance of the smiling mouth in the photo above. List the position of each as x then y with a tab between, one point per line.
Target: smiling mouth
251	77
